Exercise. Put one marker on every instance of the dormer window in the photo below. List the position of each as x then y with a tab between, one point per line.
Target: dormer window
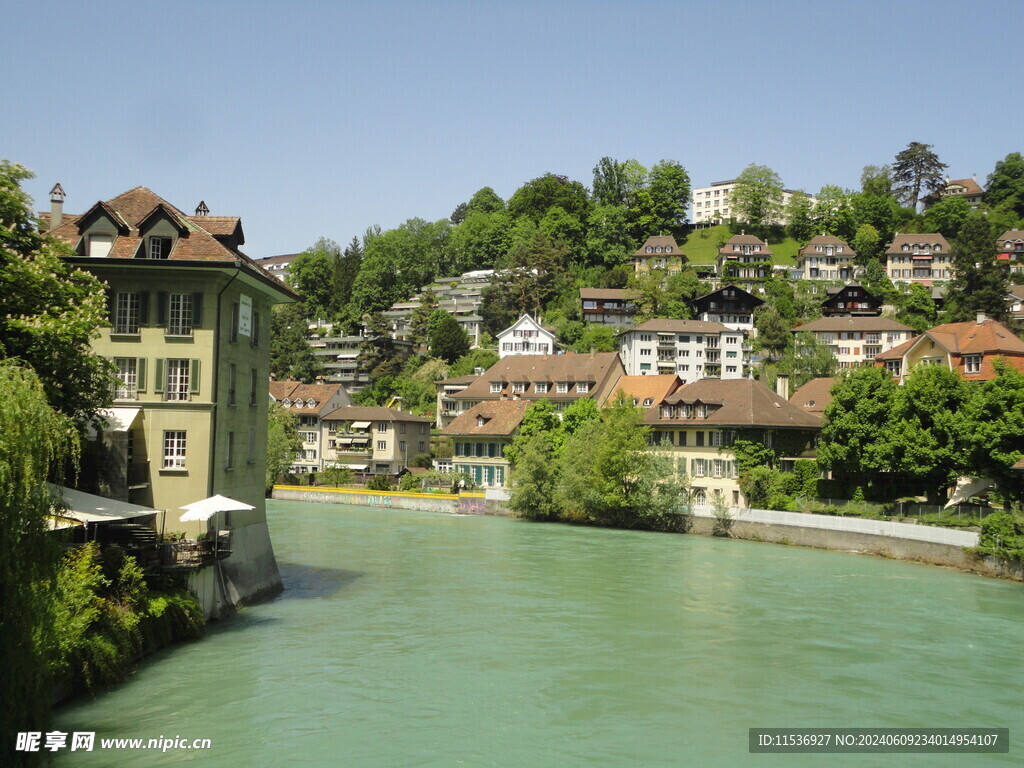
158	247
286	403
519	386
495	387
649	249
583	387
702	411
648	402
480	421
541	387
100	245
563	387
668	249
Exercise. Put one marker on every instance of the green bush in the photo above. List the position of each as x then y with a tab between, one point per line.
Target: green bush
379	483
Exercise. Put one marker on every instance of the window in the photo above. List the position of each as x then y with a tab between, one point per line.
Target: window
254	333
234	322
382	445
252	386
174	450
893	367
251	457
563	387
699	467
645	352
229	461
127	378
972	364
99	245
178	379
159	247
401	446
700	439
127	313
519	386
495	387
540	388
232	383
308	437
702	411
583	387
179	321
718	467
716	440
382	427
646	337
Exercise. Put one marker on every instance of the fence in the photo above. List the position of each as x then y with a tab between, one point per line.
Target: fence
910	531
910	509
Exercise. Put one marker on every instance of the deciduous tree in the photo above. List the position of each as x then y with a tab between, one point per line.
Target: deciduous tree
757	197
1004	189
980	282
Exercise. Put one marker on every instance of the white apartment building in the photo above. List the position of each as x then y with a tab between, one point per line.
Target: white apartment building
691	349
855	341
919	258
526	337
711	204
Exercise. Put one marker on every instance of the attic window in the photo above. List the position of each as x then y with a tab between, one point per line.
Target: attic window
100	245
480	421
648	401
668	249
286	403
495	387
158	247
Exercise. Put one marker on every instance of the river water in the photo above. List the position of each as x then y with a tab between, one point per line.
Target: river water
416	639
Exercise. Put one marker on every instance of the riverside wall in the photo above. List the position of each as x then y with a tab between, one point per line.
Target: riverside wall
461	504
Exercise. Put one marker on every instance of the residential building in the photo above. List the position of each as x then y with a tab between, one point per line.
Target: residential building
814	396
919	258
852	300
1010	247
608	306
189	336
970	347
645	391
310	403
659	252
341	356
372	440
711	205
691	349
857	340
480	437
278	265
562	379
526	336
825	257
731	306
698	424
1015	302
968	189
744	259
448	408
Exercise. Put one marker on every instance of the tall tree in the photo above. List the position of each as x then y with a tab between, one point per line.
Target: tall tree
1004	189
876	180
867	244
420	317
36	442
917	171
49	310
833	213
283	442
800	217
378	353
947	216
993	421
609	242
448	340
485	200
534	275
757	197
536	197
980	282
916	307
479	242
313	275
291	358
668	198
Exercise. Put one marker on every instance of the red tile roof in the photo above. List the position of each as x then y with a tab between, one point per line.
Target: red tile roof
814	396
641	388
494	417
743	403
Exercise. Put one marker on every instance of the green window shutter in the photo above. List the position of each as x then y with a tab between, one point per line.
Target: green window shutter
143	308
161	308
141	373
193	378
159	377
197	310
111	299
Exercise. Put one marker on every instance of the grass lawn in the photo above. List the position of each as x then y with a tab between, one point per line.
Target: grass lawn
701	246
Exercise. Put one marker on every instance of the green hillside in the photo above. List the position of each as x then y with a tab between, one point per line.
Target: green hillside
701	246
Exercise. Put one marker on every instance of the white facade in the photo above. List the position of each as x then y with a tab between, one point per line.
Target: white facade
526	337
711	204
691	349
855	341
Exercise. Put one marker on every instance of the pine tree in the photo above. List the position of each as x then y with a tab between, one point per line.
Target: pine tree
980	282
916	171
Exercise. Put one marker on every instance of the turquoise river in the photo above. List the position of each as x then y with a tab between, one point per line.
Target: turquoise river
417	639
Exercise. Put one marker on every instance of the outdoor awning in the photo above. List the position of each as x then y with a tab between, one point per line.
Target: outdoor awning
345	440
356	467
116	419
86	508
357	440
360	425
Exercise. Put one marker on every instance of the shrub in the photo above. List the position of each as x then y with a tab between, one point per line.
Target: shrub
379	483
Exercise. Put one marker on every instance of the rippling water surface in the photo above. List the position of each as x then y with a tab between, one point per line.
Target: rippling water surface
416	639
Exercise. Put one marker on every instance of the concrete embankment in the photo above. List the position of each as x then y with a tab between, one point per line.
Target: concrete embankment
900	541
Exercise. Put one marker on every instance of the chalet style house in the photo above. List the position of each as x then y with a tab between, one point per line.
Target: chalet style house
189	335
691	349
310	403
1010	247
852	300
699	422
857	340
919	258
730	305
825	257
968	189
608	306
659	252
744	258
970	347
526	336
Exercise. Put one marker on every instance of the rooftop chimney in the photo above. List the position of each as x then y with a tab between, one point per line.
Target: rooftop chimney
982	317
56	205
782	386
201	209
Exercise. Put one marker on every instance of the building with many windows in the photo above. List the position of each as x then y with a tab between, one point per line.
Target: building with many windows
659	252
1010	248
970	347
711	205
608	306
526	336
690	349
310	403
373	440
744	259
919	258
825	257
857	340
730	305
967	189
852	300
480	436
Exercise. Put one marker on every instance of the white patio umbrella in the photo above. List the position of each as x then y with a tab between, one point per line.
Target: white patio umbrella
207	508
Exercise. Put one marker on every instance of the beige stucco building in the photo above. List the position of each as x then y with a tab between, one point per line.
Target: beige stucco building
373	440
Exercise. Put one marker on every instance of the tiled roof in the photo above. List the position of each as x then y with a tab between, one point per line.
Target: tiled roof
594	369
970	185
294	390
745	240
373	413
654	241
988	338
808	250
929	239
500	417
641	388
616	294
1011	234
741	295
667	325
814	396
839	324
743	403
460	379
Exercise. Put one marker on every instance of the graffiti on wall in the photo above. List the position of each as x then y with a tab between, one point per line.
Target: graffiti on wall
378	501
472	505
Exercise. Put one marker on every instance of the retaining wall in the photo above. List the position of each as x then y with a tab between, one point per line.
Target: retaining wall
463	504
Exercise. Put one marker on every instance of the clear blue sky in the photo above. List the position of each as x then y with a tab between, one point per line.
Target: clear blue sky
312	119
